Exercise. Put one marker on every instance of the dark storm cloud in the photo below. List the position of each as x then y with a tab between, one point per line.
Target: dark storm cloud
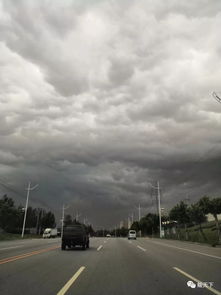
98	98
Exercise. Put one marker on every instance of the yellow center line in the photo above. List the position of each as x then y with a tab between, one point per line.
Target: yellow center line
71	281
21	256
196	280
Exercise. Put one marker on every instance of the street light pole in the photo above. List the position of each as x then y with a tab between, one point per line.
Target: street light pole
26	206
159	205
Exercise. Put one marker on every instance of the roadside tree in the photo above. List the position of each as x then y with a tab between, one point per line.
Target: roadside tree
198	217
9	215
212	206
181	214
48	220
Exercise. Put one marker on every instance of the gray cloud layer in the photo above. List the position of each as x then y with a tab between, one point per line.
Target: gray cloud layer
98	98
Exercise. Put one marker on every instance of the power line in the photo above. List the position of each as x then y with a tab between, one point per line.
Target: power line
7	186
216	96
18	193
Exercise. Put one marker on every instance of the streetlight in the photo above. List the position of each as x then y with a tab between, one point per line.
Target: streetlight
159	207
26	206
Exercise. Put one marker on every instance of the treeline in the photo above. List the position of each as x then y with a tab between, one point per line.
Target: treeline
183	216
11	217
195	214
68	220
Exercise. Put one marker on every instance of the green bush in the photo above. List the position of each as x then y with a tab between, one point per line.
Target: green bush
195	235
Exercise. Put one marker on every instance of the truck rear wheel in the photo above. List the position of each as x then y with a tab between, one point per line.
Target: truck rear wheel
63	246
83	247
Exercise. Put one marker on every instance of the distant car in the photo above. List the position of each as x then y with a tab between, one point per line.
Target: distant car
108	235
75	235
132	235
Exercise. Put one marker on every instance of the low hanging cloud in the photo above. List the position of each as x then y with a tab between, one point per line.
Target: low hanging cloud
98	98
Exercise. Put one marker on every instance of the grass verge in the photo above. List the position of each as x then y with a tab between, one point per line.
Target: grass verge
9	236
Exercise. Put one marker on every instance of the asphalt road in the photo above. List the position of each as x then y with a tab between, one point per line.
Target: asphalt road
112	266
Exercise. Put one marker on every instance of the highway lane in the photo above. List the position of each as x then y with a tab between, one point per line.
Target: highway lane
126	269
110	266
18	247
199	260
43	273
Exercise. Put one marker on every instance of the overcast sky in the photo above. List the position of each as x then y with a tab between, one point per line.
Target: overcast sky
99	97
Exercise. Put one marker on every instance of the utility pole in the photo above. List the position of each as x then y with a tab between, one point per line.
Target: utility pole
77	216
62	220
26	206
132	217
187	199
139	212
159	207
139	219
39	213
128	221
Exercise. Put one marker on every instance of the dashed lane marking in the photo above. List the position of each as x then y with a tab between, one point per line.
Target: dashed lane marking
71	281
196	280
141	248
99	248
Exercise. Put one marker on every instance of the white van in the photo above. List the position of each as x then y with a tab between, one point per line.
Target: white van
132	234
50	233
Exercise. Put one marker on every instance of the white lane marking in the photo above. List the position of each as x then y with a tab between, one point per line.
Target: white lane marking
99	248
141	248
196	280
11	247
197	252
71	281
